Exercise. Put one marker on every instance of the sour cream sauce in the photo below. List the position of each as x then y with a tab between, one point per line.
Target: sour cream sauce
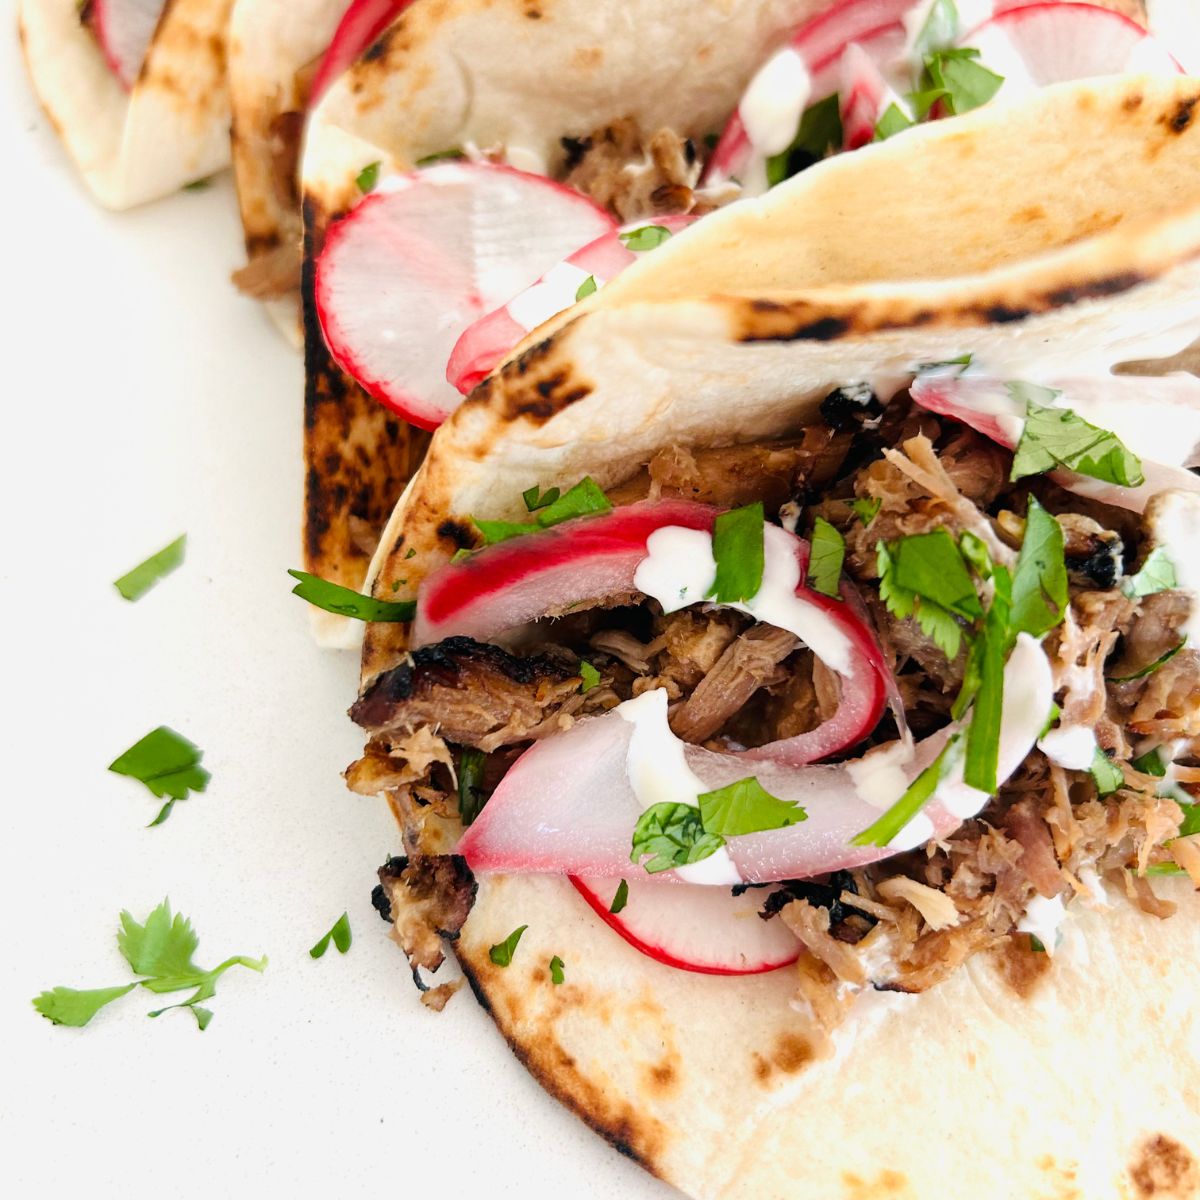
774	102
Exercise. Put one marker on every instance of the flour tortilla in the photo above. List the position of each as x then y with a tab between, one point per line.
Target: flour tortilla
436	80
170	130
1008	1081
271	45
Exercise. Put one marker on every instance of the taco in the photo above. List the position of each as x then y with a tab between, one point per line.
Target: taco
468	196
789	696
135	88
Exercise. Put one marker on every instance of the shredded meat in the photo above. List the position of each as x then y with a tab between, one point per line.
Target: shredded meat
811	925
753	661
438	997
1037	860
693	643
631	175
429	898
271	273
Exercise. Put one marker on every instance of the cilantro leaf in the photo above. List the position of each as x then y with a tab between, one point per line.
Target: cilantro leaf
1107	775
1190	824
584	499
674	836
1157	575
368	177
1150	763
502	952
1039	586
893	121
339	935
825	561
556	970
738	549
535	498
454	154
133	585
586	288
620	899
334	598
1059	437
646	237
589	675
167	764
162	947
66	1006
962	362
866	510
1150	668
1163	868
974	550
471	794
931	566
746	807
990	652
915	797
819	133
958	81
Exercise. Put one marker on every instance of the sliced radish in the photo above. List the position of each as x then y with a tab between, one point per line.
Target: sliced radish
570	803
864	95
1039	44
362	22
708	930
488	340
511	584
124	29
425	255
1157	419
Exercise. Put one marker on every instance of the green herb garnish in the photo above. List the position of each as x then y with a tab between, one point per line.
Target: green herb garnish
866	510
1106	774
916	796
136	583
589	675
1150	763
738	549
819	133
535	498
925	575
957	80
339	935
825	561
556	970
646	237
502	953
584	499
746	807
1157	575
344	601
620	899
162	949
1058	437
893	121
674	836
585	289
368	177
167	764
1039	589
454	154
1150	668
471	794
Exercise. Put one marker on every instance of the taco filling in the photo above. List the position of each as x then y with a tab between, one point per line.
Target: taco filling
916	680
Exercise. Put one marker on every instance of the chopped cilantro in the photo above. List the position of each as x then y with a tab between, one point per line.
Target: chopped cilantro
1150	763
460	554
738	549
556	970
825	561
894	120
962	362
620	899
974	550
957	80
925	574
133	585
535	498
1039	588
199	185
915	797
1107	775
1157	575
746	807
1058	437
584	499
819	133
471	794
674	836
167	763
1164	868
502	953
162	950
368	177
1190	824
339	935
1150	668
1035	944
334	598
411	552
589	675
866	510
586	288
985	672
454	154
645	237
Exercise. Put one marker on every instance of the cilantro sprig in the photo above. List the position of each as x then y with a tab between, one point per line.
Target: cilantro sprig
339	935
161	949
825	561
368	177
738	549
133	585
915	797
548	509
167	764
620	898
346	602
471	793
645	237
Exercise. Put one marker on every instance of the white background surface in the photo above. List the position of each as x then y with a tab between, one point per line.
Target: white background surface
143	398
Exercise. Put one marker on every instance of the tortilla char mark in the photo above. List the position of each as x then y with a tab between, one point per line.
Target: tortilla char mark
630	1132
1165	1170
536	385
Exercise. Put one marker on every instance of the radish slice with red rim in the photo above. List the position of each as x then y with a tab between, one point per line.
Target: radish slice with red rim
707	930
487	341
864	95
569	804
125	29
1039	44
361	23
425	255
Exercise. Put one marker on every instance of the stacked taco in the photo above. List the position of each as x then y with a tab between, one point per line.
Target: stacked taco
783	669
